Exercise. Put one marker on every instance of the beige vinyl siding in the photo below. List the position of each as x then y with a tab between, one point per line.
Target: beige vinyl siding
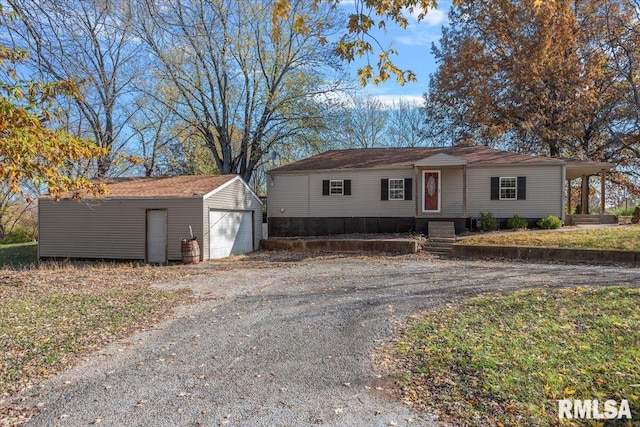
289	192
301	195
233	197
451	187
112	228
544	191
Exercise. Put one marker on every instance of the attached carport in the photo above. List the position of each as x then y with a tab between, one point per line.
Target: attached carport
584	169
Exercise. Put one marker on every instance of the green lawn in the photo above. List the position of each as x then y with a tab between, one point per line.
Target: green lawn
507	359
18	255
621	238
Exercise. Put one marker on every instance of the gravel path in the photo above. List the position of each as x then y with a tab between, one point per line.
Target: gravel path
285	346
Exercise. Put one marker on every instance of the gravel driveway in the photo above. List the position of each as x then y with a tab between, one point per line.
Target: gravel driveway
288	344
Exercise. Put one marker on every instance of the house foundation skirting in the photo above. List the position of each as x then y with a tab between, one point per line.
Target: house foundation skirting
324	226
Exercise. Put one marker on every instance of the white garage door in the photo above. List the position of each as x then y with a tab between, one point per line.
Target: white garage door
230	232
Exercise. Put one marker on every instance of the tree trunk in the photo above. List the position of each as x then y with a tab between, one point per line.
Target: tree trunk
584	194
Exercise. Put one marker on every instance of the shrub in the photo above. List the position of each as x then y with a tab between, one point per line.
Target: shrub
517	222
635	217
550	222
19	234
628	211
488	222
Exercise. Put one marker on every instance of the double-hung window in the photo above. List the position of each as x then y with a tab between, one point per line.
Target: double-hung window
396	189
508	188
336	187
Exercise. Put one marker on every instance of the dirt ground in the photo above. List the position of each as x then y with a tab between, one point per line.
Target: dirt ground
279	339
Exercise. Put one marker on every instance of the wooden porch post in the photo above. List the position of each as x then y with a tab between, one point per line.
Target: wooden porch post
603	173
569	197
584	195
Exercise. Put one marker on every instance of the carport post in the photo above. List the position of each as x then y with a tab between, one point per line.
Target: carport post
603	173
569	197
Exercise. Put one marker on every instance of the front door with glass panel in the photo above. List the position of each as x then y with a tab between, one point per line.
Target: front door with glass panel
431	193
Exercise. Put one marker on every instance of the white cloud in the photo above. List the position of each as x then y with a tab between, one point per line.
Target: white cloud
391	101
435	17
424	32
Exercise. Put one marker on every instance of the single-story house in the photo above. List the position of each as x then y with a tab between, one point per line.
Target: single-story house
381	190
147	218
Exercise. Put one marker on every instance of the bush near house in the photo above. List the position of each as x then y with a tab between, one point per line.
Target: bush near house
488	222
517	222
635	217
550	222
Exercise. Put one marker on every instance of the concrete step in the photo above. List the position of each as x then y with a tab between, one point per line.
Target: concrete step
447	240
441	229
594	220
441	251
441	245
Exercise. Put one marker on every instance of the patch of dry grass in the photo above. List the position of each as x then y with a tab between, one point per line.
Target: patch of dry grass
617	238
53	314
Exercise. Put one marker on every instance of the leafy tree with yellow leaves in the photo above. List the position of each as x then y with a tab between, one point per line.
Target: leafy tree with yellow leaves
29	150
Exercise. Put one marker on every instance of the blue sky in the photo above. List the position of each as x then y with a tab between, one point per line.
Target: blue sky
414	52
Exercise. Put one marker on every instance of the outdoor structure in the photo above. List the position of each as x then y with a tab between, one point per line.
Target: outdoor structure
147	218
382	190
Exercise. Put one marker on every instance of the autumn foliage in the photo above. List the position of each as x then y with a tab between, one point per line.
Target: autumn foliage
29	149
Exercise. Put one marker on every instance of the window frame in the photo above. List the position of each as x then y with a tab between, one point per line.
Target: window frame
331	187
503	187
396	190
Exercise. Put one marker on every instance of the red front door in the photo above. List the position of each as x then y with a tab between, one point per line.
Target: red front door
431	185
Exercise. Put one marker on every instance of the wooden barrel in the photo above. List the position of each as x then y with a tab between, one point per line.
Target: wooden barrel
190	251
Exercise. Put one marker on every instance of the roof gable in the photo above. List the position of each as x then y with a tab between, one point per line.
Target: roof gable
441	159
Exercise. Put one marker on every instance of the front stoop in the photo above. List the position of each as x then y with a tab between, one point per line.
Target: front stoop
593	219
442	236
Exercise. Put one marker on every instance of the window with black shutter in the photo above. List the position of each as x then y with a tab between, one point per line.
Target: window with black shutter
522	188
508	188
336	187
384	189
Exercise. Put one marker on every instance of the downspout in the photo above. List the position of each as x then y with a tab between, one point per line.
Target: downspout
464	191
415	191
308	195
563	177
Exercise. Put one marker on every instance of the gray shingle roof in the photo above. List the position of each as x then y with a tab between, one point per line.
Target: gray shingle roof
360	158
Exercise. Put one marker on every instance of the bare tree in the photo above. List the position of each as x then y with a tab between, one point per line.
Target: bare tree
406	126
360	122
89	42
245	83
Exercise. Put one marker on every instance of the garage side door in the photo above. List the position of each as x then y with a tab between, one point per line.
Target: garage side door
230	232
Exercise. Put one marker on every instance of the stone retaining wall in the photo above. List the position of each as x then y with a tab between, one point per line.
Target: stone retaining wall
591	256
403	246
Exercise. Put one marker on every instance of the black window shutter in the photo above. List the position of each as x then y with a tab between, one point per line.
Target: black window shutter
495	188
384	189
408	189
347	187
325	187
522	188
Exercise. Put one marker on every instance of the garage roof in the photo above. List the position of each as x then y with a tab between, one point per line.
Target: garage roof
172	186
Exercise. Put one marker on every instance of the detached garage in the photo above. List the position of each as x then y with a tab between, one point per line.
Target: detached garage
147	218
